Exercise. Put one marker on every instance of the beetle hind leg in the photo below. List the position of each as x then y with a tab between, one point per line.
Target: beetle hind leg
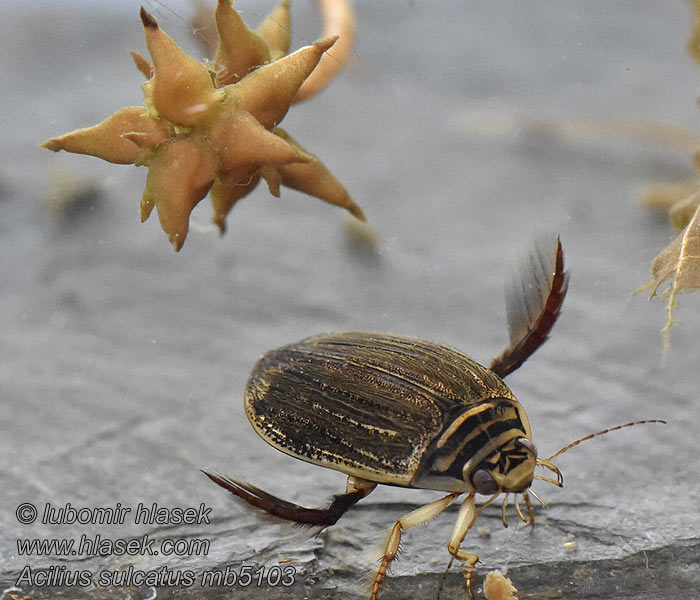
293	512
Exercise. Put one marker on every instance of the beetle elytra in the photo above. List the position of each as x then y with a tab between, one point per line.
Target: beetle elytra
400	411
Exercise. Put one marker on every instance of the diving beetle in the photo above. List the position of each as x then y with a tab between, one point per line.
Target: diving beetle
400	411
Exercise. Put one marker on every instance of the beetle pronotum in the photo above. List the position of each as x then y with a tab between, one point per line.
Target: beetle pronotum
393	410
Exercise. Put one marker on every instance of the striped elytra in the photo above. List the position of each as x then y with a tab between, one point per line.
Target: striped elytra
389	409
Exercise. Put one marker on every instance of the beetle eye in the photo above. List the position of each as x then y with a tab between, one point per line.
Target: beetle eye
484	483
527	444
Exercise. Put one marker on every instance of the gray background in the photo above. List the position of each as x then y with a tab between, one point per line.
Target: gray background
458	129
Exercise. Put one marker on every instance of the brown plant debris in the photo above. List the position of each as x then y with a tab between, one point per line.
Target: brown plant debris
662	196
694	41
498	587
680	260
214	128
339	20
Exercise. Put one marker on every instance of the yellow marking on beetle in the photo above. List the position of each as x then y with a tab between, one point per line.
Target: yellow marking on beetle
368	454
366	426
456	424
318	407
488	447
444	462
497	442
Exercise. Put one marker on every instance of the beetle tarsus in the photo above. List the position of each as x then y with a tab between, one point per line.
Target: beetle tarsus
287	510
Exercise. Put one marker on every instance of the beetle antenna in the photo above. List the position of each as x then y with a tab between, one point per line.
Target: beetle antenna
547	461
548	464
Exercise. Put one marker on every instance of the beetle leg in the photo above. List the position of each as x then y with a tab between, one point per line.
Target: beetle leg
530	509
533	305
355	484
287	510
465	519
504	508
521	516
417	517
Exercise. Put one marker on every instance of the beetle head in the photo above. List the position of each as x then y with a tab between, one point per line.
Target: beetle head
511	468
